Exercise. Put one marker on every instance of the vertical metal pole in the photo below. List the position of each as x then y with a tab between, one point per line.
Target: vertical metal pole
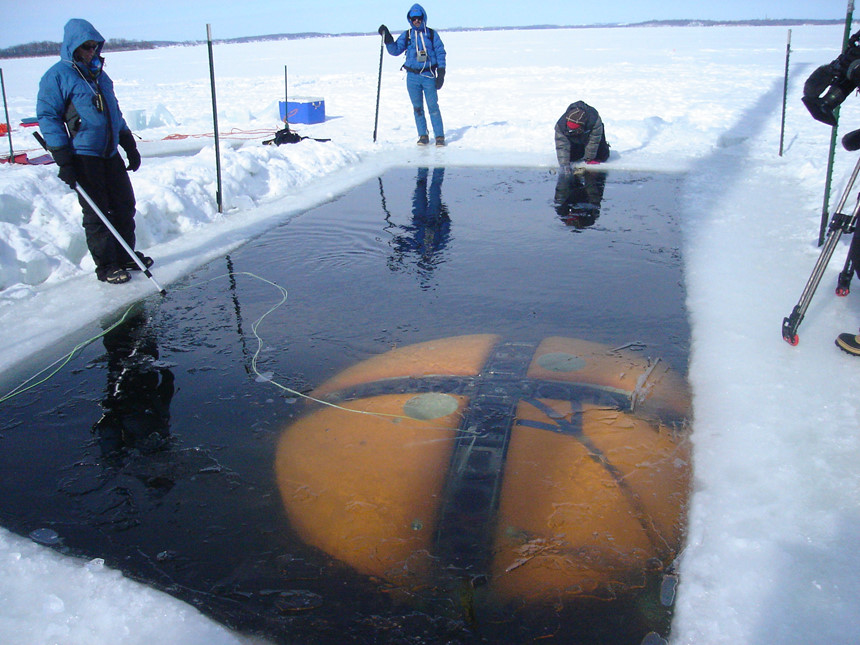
8	125
286	101
215	121
784	94
824	209
378	88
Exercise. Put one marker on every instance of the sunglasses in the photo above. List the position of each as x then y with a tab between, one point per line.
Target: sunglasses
89	46
416	18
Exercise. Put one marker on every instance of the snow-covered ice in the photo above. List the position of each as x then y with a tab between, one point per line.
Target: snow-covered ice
775	512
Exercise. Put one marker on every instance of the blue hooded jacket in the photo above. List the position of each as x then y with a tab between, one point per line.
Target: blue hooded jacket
412	41
68	95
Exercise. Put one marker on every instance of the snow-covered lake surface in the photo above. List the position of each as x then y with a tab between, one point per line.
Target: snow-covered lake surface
770	554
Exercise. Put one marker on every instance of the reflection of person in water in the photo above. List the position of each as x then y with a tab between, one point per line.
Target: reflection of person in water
136	405
578	196
427	234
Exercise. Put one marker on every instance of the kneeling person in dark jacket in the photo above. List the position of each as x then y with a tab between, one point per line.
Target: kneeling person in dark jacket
82	125
579	136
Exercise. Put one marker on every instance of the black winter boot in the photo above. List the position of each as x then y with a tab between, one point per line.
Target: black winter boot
849	343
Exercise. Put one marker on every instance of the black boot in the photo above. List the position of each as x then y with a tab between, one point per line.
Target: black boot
849	343
131	265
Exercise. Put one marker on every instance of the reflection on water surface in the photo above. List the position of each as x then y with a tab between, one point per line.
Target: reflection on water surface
520	345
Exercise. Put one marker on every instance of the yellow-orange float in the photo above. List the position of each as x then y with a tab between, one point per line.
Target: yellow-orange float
551	470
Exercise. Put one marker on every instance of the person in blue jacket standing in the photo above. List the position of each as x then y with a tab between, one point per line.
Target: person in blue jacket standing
425	70
80	119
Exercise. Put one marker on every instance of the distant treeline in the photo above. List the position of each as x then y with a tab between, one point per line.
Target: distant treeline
48	48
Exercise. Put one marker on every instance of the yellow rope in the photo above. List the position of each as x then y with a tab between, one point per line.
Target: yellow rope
61	362
31	383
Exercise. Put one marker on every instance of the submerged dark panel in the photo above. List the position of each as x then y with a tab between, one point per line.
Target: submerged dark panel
155	448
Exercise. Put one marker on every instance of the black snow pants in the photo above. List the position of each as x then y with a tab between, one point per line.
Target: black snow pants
577	150
107	183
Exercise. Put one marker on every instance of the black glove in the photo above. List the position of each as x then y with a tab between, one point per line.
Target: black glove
440	78
126	140
387	38
65	159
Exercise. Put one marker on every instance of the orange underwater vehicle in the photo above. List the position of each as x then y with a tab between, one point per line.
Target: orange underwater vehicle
548	471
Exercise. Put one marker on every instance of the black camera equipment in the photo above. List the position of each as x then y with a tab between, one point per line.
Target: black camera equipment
829	85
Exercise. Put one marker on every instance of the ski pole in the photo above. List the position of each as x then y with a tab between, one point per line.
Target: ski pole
109	226
378	86
839	224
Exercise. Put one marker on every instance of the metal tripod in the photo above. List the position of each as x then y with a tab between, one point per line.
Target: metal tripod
840	223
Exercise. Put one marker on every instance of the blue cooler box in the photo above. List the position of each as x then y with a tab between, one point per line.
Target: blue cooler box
304	110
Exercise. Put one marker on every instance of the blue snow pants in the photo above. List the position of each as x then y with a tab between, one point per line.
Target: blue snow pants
423	88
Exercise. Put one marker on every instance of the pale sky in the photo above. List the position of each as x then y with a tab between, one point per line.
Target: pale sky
23	21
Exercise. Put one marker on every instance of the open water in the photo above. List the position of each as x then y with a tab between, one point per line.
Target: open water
155	447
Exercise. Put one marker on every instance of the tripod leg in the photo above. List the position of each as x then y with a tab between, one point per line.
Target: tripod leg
839	224
843	285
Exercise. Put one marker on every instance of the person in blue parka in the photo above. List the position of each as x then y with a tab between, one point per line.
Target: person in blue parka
425	70
80	119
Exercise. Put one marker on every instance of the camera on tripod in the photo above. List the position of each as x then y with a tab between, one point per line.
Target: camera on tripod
829	85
